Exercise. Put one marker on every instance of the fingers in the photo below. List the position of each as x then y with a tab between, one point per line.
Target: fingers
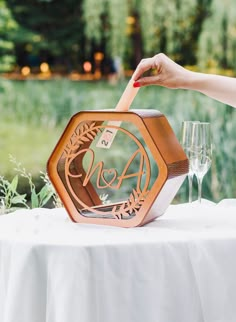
145	65
150	80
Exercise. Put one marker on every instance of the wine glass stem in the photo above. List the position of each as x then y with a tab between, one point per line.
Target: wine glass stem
190	188
199	181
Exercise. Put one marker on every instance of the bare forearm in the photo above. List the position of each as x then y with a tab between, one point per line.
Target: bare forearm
171	75
218	87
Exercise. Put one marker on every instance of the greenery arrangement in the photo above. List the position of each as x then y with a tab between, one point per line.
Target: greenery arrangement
10	198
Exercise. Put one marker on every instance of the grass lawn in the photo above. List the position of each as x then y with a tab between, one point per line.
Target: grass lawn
30	145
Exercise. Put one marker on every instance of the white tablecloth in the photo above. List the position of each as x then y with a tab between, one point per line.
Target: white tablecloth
179	268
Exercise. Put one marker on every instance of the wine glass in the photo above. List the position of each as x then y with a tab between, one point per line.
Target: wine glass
186	141
200	152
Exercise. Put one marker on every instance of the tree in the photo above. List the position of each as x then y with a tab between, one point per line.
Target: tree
59	27
217	43
190	31
7	26
174	27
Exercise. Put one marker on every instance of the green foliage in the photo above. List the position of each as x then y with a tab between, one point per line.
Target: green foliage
40	198
92	15
105	24
154	21
7	27
199	32
10	197
55	26
118	11
173	26
191	31
217	44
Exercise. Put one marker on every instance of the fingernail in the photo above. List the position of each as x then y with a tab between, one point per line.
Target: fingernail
136	84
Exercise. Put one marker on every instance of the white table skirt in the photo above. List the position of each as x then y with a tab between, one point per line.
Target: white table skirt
179	268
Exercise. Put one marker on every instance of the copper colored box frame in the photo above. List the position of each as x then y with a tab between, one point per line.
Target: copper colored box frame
78	193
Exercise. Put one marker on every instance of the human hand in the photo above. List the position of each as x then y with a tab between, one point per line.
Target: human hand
169	74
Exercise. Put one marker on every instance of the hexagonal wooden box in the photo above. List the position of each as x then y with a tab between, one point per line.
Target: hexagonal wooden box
110	167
